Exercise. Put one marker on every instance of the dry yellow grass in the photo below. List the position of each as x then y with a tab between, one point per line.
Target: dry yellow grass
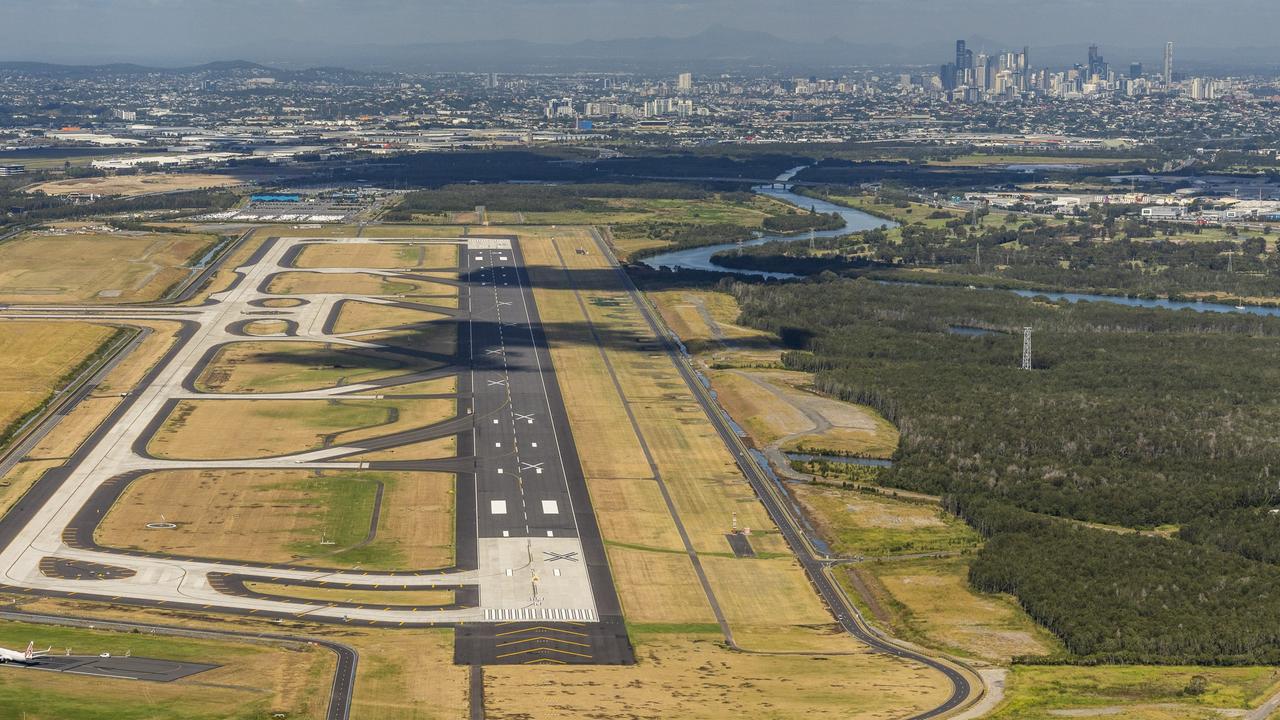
240	429
290	366
371	598
658	587
380	256
934	604
693	677
356	316
254	680
444	385
266	327
314	283
444	447
136	184
285	516
36	359
871	525
408	675
760	412
75	268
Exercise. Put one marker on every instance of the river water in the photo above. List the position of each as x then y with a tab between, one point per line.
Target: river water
700	258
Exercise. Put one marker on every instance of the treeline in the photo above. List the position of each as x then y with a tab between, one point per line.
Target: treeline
802	222
1104	252
1120	597
502	166
1100	431
545	198
39	208
1132	417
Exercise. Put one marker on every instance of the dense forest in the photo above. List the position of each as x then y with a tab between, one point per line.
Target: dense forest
1131	417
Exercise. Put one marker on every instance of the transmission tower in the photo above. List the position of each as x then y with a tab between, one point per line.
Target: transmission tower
1026	348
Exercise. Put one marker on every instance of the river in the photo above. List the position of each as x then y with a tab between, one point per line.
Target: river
700	258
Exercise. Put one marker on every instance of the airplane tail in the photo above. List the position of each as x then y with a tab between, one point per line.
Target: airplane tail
31	650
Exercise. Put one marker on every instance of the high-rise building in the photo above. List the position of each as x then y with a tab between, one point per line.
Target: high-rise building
1097	66
1135	70
684	82
961	54
1168	64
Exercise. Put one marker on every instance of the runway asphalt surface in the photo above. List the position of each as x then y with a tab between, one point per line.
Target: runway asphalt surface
528	548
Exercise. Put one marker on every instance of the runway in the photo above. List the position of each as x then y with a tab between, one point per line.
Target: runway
527	545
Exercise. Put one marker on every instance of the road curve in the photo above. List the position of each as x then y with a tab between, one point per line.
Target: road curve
963	690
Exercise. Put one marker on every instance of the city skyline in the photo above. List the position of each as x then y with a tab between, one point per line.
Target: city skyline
329	31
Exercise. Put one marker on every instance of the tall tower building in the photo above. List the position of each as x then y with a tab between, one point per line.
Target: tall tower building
1168	64
684	82
961	53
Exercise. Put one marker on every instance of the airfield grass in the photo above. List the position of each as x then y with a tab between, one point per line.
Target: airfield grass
1133	692
706	322
266	327
36	359
128	185
762	414
389	676
354	595
282	302
95	268
692	675
929	601
356	316
226	274
289	366
379	256
242	429
253	682
658	587
408	675
768	601
445	447
446	385
289	516
771	404
868	524
439	338
315	283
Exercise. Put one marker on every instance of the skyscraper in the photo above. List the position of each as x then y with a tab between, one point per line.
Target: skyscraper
684	82
1168	64
1135	70
961	53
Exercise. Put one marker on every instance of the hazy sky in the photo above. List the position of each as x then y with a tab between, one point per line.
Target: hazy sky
151	30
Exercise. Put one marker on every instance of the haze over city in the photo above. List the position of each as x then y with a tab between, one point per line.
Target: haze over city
367	32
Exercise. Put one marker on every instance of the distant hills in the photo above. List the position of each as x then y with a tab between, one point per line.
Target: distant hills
717	49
